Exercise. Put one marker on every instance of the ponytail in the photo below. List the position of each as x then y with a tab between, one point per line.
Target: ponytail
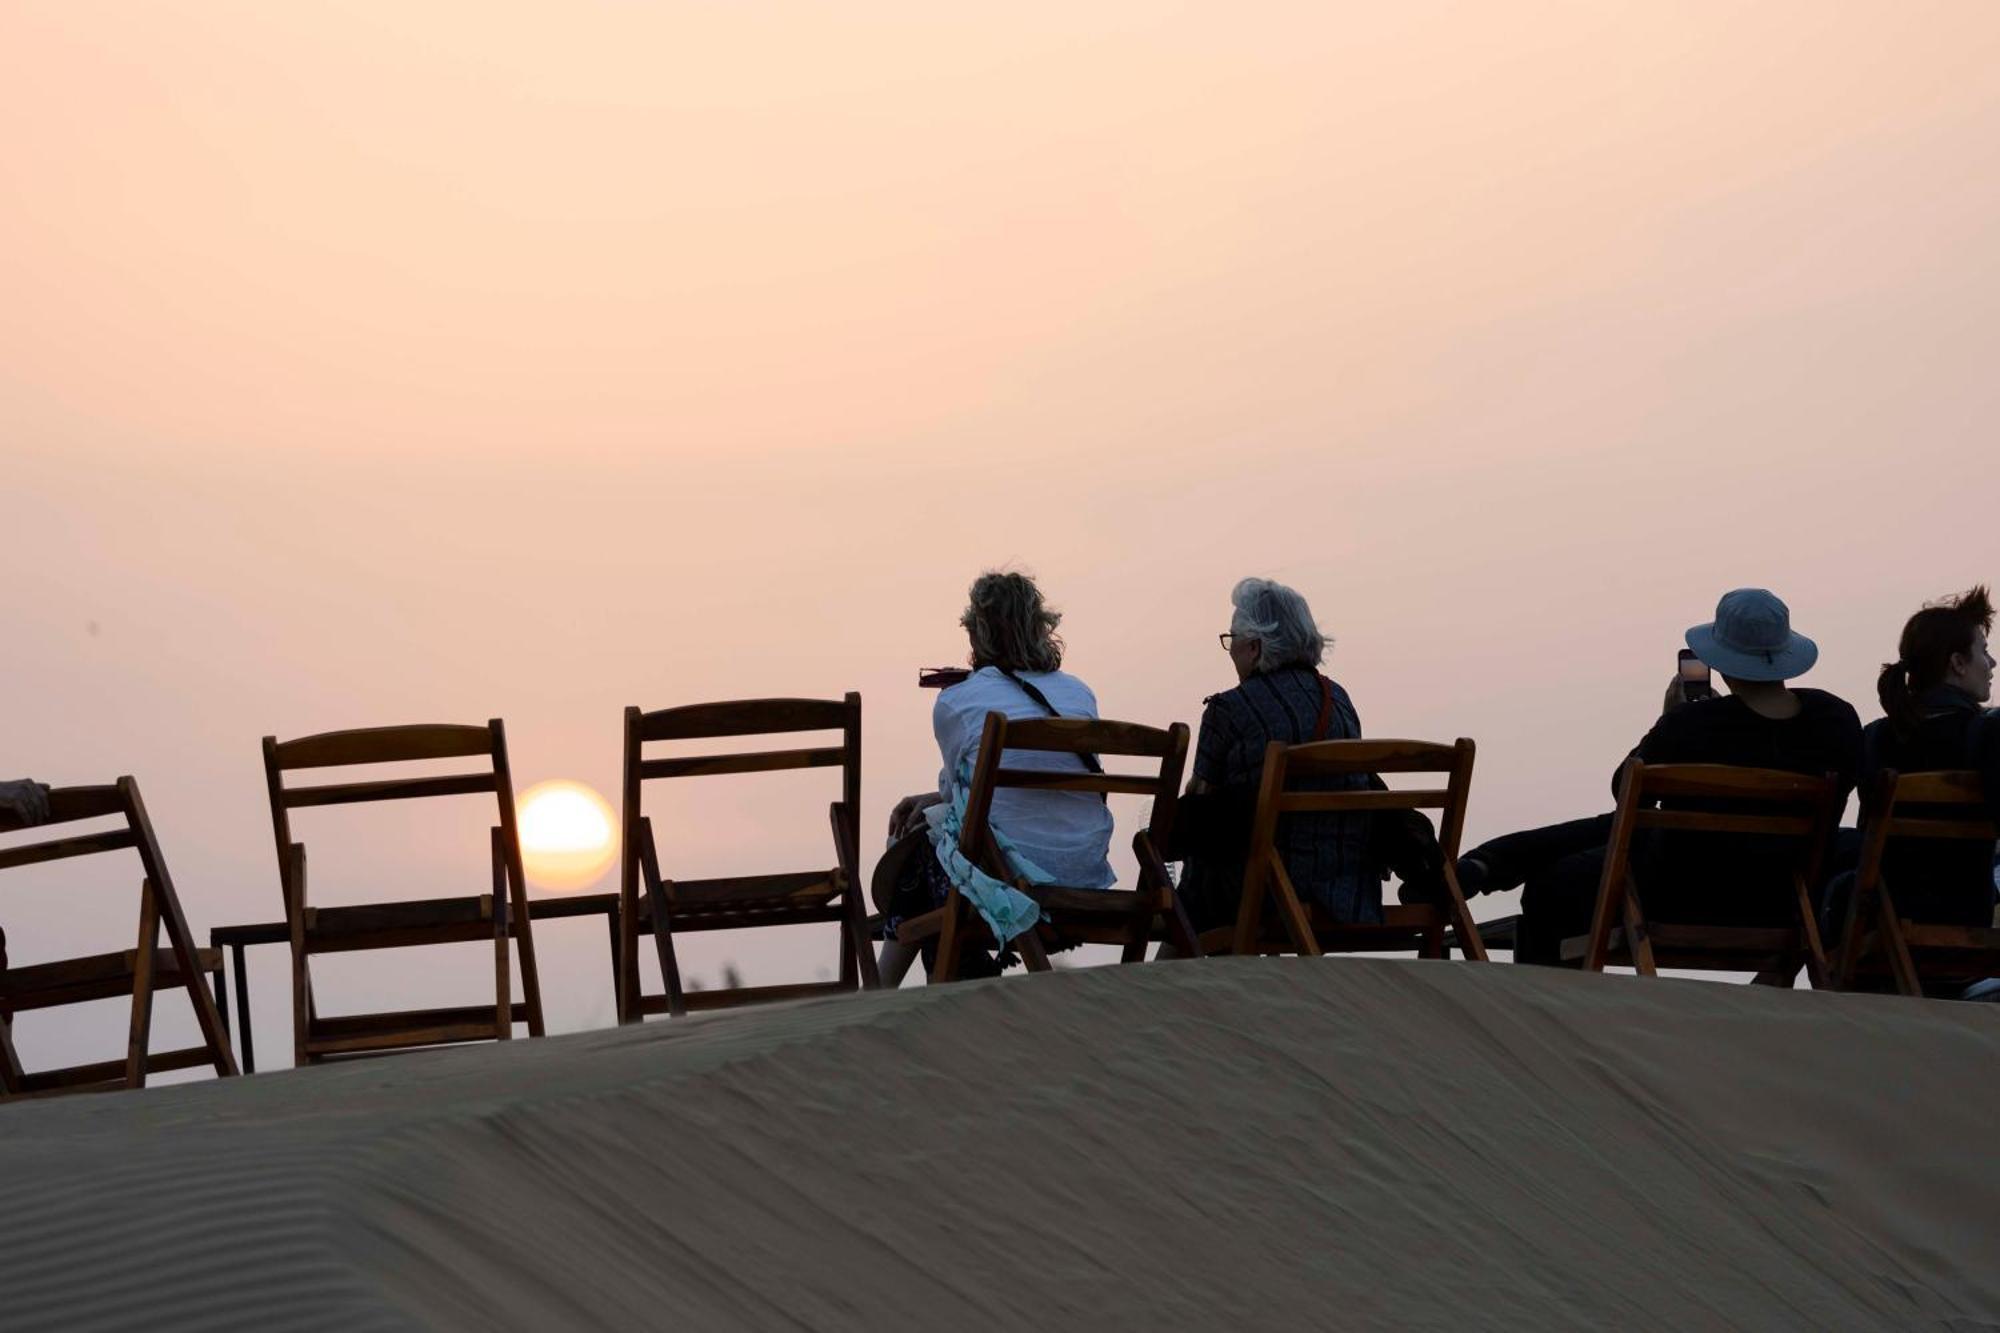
1899	702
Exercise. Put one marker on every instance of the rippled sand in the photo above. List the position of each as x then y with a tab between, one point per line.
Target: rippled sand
1228	1144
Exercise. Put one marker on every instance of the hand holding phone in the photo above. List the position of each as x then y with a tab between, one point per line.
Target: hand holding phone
1695	681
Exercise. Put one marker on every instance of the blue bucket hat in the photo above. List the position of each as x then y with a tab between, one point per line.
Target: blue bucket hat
1751	638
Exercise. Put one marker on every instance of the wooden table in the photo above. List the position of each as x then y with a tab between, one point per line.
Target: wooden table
238	938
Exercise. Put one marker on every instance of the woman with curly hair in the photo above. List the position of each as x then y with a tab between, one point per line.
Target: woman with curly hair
1016	659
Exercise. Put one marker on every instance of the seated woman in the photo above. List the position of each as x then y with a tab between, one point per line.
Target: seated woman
1016	659
1932	695
1281	696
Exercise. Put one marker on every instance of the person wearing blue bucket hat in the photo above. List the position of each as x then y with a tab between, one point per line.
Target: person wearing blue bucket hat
1752	639
1761	722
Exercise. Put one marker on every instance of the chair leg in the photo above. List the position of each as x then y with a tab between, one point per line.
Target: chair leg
1298	925
144	966
1637	941
946	967
510	880
1180	929
1029	945
625	960
859	954
1138	937
11	1074
503	971
663	944
1901	965
246	1048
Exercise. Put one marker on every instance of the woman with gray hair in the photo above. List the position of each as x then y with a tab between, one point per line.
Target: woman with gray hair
1016	658
1276	648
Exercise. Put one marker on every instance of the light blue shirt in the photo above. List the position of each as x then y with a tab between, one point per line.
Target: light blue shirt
1066	833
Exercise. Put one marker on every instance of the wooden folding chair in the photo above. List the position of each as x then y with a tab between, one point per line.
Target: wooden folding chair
1129	918
140	972
1762	802
1877	939
1308	929
670	907
496	916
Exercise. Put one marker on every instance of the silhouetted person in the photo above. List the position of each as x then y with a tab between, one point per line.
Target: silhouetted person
1016	658
1718	879
1281	695
1933	698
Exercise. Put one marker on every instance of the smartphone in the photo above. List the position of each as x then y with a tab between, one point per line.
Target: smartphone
937	678
1696	683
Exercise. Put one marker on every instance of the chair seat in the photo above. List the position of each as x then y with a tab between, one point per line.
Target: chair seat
1971	944
749	900
107	1075
802	888
1090	902
1972	939
389	925
94	977
401	1029
1703	945
1403	926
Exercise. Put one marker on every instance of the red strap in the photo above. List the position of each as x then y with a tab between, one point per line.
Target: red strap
1325	709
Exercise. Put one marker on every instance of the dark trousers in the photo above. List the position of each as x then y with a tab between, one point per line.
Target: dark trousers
1558	869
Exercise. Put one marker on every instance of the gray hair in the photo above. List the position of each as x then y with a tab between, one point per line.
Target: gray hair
1009	624
1280	621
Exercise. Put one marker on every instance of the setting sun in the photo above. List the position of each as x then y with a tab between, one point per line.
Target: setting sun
568	834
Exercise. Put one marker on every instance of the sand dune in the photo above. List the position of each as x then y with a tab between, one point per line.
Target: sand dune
1234	1143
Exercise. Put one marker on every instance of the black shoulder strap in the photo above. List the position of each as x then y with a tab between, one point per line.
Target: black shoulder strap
1090	761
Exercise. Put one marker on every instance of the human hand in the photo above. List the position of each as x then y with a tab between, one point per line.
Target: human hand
27	800
1674	697
909	812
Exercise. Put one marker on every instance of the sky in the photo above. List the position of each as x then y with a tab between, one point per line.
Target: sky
364	364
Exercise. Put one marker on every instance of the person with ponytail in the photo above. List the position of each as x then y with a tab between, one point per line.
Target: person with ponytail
1933	699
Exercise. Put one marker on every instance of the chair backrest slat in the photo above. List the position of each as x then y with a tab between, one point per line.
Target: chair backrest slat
741	717
1700	821
1969	830
1087	735
1313	759
57	849
1955	787
1040	779
1727	781
765	761
389	789
1357	802
1797	802
384	745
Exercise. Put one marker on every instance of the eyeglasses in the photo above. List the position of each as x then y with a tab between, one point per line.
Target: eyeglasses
1228	642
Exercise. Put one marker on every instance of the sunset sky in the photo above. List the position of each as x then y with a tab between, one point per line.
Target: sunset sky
371	363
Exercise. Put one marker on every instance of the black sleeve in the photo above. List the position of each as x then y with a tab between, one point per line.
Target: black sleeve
1985	757
1655	747
1849	750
